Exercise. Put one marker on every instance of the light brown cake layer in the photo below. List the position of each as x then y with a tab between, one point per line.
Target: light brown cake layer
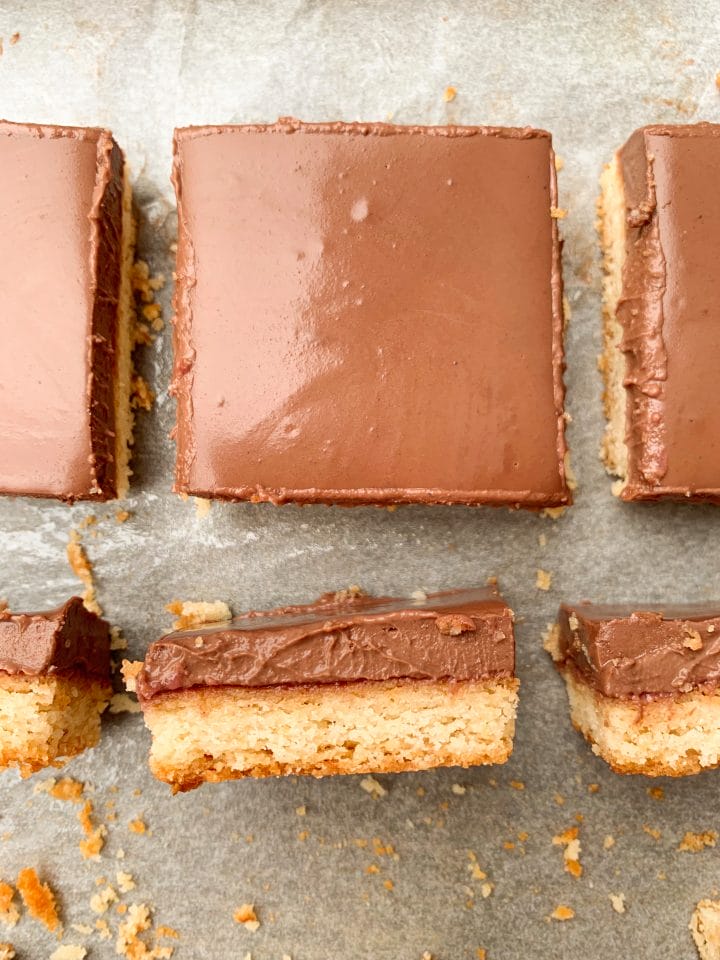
124	413
44	721
214	734
673	736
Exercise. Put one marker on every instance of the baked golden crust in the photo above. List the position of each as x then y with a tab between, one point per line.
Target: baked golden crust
214	734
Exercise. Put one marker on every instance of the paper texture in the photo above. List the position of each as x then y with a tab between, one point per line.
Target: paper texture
590	73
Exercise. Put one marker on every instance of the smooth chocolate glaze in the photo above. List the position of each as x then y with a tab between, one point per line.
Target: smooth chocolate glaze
60	248
628	651
669	311
368	313
459	635
69	639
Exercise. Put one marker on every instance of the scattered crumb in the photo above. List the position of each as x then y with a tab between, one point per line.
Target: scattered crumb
165	931
554	513
301	811
202	507
486	889
195	613
103	900
705	929
349	593
137	826
122	515
130	669
517	784
562	912
117	641
388	884
9	913
593	787
82	568
123	703
141	395
125	881
557	213
608	842
458	790
419	596
14	39
695	842
370	785
7	951
129	944
559	163
618	902
38	898
652	831
245	914
449	94
94	840
69	951
542	539
657	793
83	928
543	580
64	789
692	639
559	799
569	839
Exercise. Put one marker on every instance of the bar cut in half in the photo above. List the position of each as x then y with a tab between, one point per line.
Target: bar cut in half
349	684
54	684
642	683
66	313
369	314
660	229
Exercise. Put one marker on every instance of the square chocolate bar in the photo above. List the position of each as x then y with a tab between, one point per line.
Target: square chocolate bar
369	314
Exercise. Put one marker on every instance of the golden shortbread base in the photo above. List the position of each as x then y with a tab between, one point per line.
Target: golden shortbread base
46	720
611	207
668	737
226	733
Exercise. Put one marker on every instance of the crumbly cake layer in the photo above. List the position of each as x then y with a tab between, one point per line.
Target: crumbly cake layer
214	734
705	929
124	414
671	736
612	361
44	721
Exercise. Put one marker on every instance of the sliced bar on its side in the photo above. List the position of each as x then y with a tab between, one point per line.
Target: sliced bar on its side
642	682
66	313
54	684
349	684
660	230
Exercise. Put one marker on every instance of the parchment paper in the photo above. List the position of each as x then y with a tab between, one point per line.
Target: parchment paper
590	73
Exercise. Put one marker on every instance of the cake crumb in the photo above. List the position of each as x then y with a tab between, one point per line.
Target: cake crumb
593	788
458	790
129	670
705	929
94	840
130	945
84	928
169	932
123	703
419	596
125	882
486	889
202	507
618	902
373	787
692	639
559	163
517	784
559	799
38	898
569	839
122	515
557	213
657	793
245	915
195	613
543	579
562	912
652	832
353	592
82	568
301	811
9	913
695	842
7	950
117	641
449	94
608	842
141	396
69	951
137	826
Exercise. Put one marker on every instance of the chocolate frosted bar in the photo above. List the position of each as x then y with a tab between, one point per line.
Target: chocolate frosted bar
642	683
368	313
345	685
54	684
66	247
661	238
